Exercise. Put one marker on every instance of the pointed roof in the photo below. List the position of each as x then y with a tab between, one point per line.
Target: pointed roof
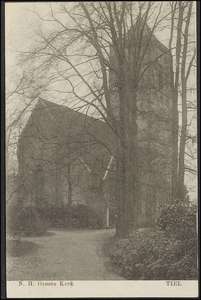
148	31
90	137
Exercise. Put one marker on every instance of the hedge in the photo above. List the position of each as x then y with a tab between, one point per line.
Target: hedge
35	221
76	216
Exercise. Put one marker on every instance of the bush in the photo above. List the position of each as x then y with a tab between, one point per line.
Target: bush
166	253
30	220
76	216
79	216
151	255
57	216
132	255
179	220
36	221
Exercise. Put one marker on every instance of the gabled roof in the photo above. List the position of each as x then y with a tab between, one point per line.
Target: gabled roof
90	137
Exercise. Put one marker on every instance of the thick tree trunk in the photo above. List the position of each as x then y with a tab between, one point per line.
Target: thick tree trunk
127	219
127	171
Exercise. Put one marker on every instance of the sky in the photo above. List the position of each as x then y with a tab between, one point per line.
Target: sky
19	24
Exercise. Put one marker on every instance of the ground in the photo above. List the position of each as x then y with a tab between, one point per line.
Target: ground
61	255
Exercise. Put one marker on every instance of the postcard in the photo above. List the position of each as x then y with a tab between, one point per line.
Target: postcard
101	149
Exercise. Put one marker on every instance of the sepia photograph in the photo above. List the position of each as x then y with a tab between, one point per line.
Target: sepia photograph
101	149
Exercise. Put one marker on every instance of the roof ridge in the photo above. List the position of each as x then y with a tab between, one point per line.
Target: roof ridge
70	109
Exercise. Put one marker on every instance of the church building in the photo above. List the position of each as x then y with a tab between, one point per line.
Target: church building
68	157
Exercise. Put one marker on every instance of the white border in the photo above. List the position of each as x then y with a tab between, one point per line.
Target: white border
16	289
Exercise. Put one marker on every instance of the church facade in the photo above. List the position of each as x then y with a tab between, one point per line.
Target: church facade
63	158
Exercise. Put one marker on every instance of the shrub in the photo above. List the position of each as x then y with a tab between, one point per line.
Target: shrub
133	254
35	220
152	255
179	220
57	215
167	253
76	216
30	220
79	216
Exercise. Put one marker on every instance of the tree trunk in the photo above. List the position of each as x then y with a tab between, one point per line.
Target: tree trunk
175	129
184	78
120	191
127	194
181	171
175	118
127	171
69	192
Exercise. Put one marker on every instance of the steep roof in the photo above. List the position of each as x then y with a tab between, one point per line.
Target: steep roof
149	32
90	137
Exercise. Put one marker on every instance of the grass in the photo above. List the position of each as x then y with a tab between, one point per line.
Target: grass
16	248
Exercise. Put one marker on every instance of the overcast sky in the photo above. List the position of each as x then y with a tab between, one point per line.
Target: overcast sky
19	23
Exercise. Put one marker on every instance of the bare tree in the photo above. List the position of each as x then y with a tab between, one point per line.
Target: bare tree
110	37
94	56
185	72
181	68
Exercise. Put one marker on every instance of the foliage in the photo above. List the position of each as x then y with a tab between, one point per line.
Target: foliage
167	253
151	255
56	215
178	219
133	254
30	220
76	216
35	221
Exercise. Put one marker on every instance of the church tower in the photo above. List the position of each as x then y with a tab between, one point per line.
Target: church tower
154	106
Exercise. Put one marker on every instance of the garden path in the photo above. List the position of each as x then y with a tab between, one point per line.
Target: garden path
62	255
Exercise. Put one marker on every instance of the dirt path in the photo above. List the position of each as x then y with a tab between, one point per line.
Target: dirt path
62	255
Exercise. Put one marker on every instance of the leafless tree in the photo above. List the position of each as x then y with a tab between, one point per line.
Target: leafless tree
85	48
181	68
